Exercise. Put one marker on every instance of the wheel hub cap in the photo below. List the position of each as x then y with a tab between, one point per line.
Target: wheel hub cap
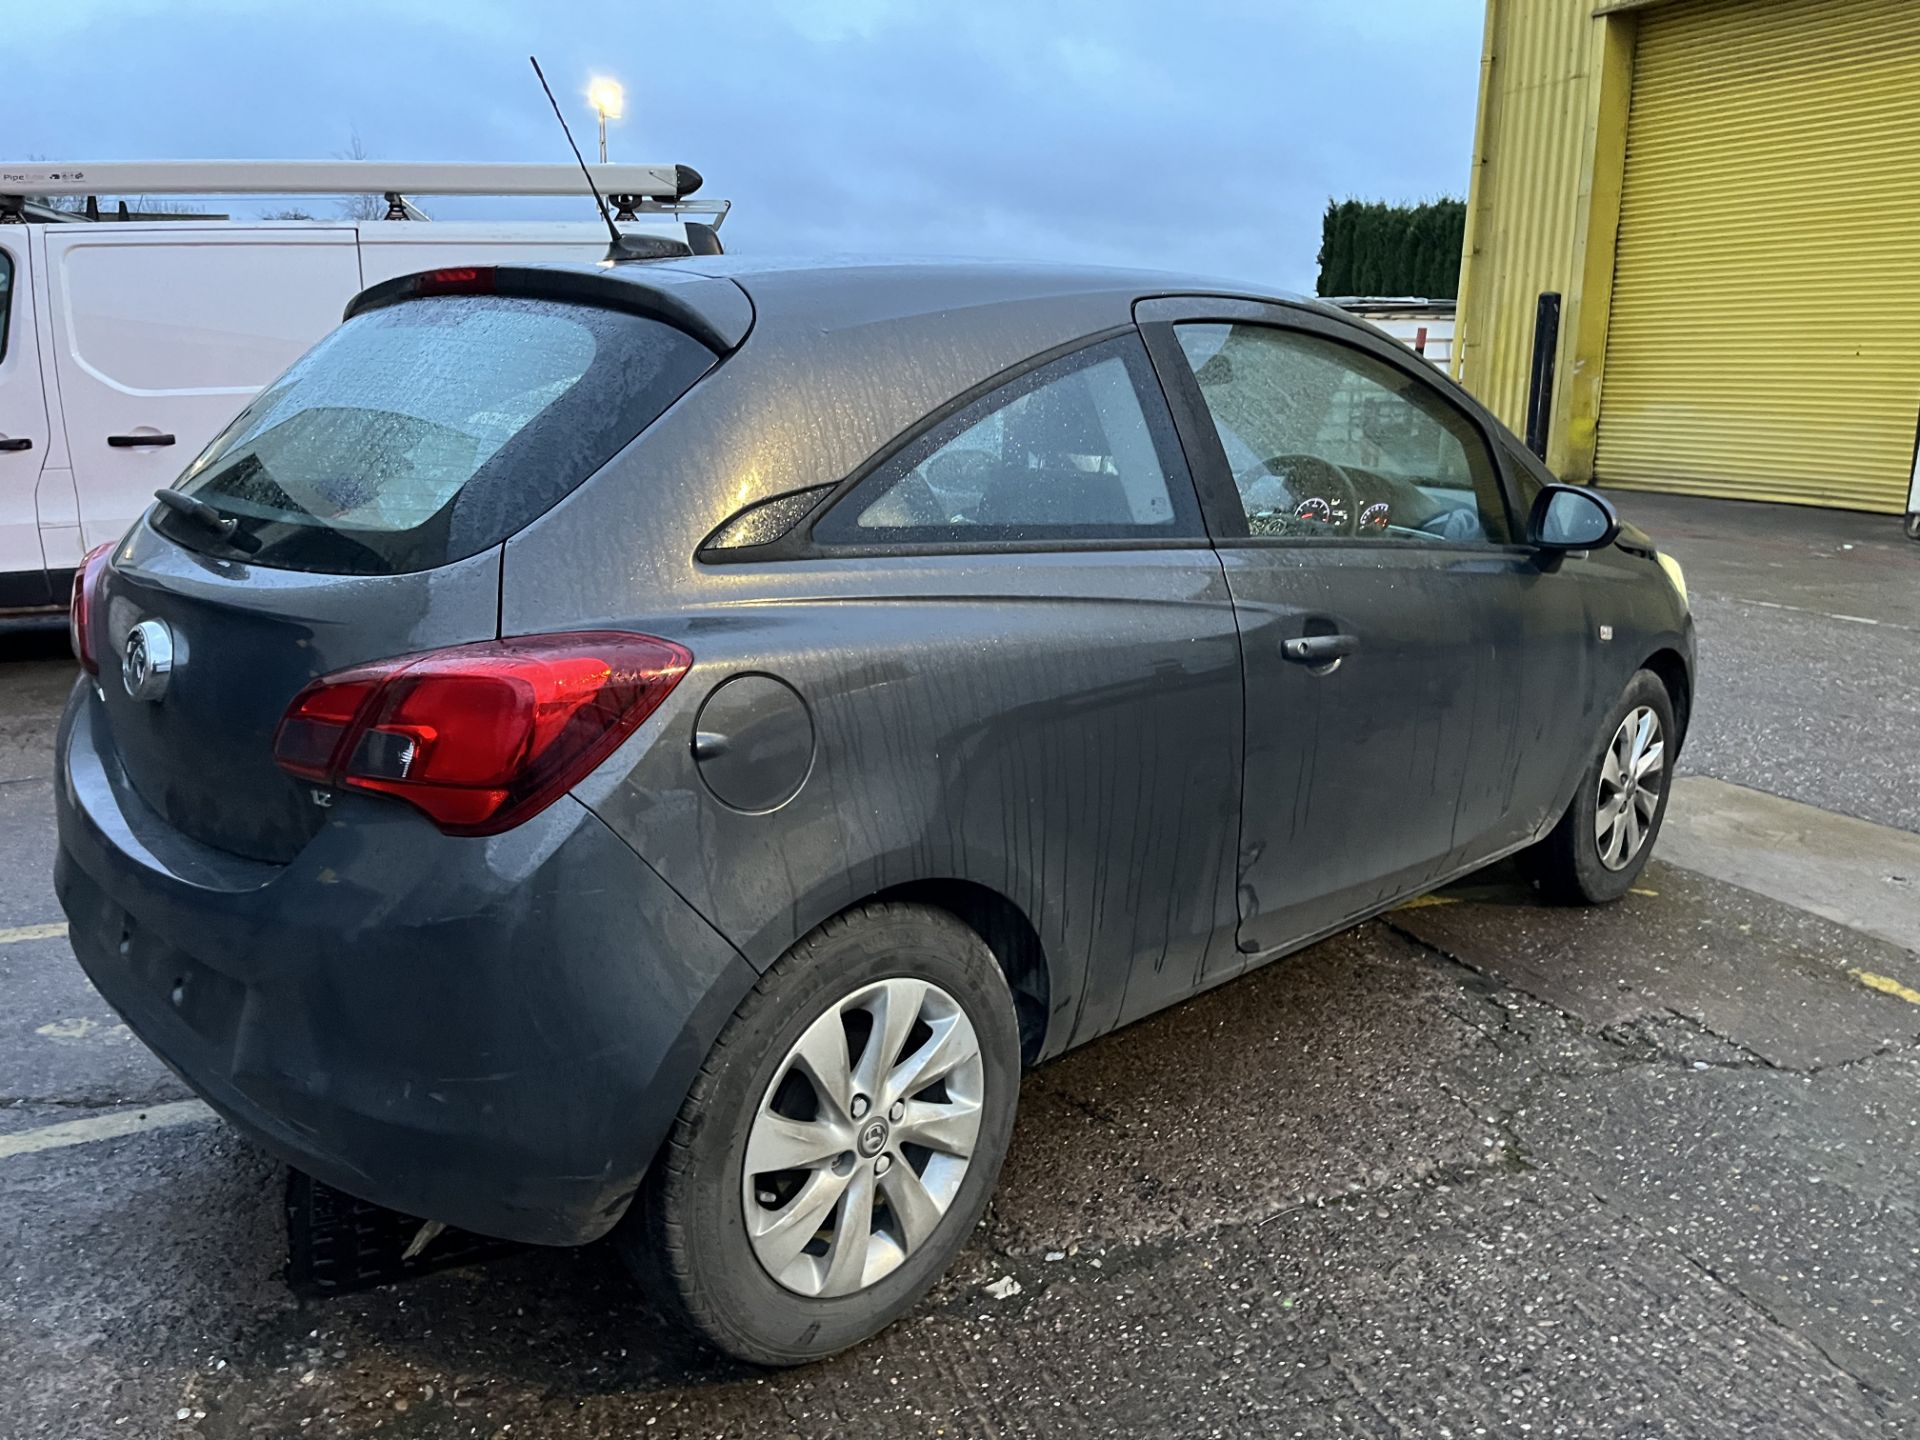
1632	781
863	1138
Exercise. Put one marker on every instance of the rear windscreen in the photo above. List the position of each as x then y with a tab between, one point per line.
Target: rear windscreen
424	432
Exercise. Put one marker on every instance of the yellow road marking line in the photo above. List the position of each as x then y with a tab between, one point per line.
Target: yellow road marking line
1886	986
1650	894
1424	901
105	1127
32	932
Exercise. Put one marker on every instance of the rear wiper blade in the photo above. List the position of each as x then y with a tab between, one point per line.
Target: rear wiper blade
223	526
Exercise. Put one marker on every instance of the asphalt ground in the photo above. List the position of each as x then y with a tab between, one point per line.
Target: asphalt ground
1810	650
1480	1168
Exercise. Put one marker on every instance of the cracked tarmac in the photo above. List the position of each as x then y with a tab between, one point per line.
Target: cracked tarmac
1479	1168
1378	1190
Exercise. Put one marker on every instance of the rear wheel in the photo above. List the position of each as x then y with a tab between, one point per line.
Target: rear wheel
840	1142
1602	843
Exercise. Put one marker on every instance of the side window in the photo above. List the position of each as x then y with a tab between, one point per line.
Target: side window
1325	440
1080	449
6	299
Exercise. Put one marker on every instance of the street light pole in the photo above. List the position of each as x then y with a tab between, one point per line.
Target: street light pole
608	99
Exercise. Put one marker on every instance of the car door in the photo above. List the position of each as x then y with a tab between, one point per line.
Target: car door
23	432
1362	515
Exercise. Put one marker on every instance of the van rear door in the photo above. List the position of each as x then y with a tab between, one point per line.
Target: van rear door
163	331
395	247
23	432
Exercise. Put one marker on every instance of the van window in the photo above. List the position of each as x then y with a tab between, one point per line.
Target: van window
6	299
424	432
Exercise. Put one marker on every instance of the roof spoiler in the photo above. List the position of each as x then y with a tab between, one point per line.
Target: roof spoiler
714	311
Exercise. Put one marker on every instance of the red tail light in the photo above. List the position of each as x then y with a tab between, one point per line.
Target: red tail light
480	737
86	585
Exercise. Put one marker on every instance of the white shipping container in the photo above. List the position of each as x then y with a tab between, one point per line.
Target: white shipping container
1423	326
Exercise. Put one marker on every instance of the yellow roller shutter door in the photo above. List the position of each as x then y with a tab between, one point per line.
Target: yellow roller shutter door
1765	334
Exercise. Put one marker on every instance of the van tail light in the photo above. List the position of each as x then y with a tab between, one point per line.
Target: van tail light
86	591
480	737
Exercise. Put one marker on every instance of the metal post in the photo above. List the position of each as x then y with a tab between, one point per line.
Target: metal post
1546	351
603	136
1913	494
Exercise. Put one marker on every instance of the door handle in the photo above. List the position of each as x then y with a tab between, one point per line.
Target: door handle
19	443
1320	649
135	442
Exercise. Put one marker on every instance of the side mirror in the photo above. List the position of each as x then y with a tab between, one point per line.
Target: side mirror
1566	517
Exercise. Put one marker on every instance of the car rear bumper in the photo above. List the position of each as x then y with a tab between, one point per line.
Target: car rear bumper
494	1033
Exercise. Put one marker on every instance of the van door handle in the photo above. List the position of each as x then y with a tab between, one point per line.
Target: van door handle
1319	649
134	442
22	442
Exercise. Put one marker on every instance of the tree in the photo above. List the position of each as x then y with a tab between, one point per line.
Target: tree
292	213
1336	248
1371	248
360	207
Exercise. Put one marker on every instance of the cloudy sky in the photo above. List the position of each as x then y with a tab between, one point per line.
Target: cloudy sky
1201	134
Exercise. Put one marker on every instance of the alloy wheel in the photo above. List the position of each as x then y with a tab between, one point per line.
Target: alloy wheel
1632	779
863	1138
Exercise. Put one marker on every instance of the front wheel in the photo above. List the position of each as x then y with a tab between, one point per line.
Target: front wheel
841	1141
1602	843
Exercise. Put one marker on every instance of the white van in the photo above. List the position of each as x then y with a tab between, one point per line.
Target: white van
126	345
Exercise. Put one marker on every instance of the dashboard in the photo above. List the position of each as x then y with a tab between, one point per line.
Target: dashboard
1304	498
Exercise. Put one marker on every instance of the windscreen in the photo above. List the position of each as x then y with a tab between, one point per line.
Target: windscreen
424	432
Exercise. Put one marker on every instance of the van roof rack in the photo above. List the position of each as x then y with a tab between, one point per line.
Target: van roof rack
632	188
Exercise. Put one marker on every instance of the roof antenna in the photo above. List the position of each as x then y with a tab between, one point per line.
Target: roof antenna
621	248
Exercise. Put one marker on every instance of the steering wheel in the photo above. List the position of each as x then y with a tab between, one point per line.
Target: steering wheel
1305	477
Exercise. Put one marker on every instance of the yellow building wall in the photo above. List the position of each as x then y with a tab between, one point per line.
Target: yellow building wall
1774	173
1543	208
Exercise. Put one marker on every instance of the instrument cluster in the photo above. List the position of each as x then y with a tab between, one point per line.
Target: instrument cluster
1318	510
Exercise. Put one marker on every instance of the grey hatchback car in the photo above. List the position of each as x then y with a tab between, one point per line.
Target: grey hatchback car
657	748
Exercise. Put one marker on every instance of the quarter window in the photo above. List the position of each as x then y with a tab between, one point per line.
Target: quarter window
1326	441
1077	449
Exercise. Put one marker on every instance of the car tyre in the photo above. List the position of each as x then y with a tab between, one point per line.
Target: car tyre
703	1237
1596	852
